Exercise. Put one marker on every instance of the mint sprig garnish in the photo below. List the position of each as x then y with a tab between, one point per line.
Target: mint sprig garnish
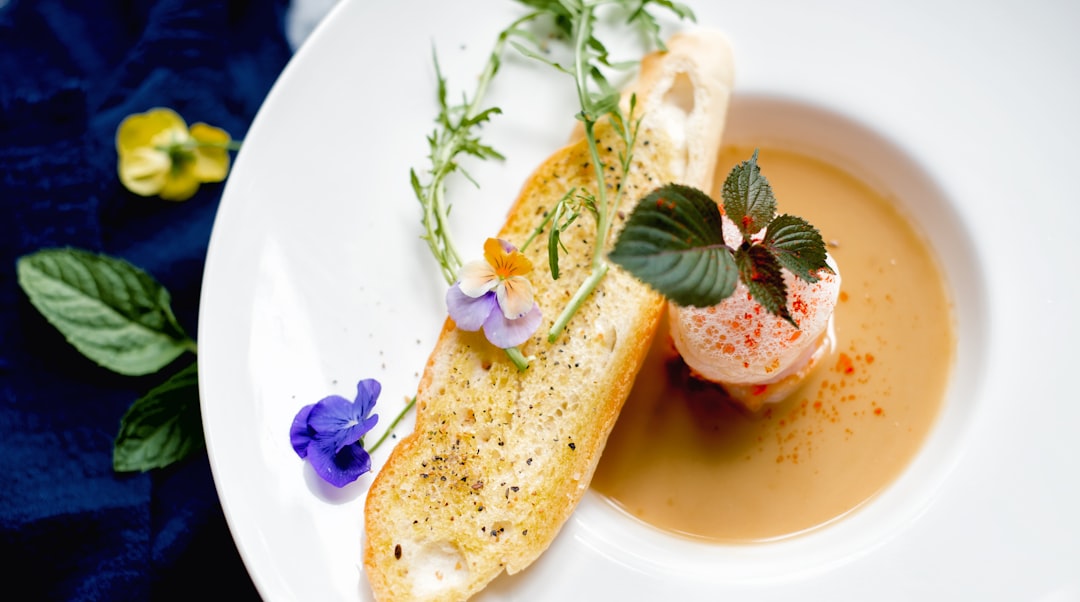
674	242
120	317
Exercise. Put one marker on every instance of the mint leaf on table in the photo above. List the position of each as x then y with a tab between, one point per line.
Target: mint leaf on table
114	313
161	427
674	242
797	245
748	197
761	273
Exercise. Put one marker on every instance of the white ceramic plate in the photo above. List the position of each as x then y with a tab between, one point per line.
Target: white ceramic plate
317	277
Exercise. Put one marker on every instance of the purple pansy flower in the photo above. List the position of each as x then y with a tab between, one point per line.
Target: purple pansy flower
329	434
494	294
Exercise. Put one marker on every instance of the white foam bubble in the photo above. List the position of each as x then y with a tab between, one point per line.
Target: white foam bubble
739	342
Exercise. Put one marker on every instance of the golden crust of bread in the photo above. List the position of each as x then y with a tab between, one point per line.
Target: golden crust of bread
499	458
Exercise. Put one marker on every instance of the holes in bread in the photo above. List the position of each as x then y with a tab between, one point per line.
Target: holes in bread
439	566
681	94
678	105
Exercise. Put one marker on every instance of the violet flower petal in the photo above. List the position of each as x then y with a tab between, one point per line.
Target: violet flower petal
339	468
338	418
367	392
299	433
469	313
506	333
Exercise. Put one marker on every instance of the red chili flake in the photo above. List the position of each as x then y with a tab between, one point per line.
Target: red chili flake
843	364
879	411
759	389
843	296
869	358
798	305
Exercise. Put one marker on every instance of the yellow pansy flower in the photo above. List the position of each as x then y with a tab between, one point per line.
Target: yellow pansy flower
159	155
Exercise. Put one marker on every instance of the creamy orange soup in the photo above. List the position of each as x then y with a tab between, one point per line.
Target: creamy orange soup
685	459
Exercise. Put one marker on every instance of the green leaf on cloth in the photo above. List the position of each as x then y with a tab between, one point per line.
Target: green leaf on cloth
114	313
161	427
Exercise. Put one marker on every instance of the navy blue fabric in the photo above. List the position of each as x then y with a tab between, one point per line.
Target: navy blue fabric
70	71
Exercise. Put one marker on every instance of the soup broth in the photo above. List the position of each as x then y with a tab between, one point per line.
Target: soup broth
686	459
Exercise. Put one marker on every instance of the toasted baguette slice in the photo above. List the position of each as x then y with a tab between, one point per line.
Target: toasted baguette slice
500	458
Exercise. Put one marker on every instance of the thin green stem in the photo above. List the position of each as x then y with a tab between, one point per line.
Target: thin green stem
547	219
190	145
393	425
233	145
577	300
190	345
582	34
520	361
603	217
452	141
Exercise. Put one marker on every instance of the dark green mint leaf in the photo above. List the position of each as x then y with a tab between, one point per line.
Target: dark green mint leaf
114	313
761	273
162	427
797	245
673	241
748	198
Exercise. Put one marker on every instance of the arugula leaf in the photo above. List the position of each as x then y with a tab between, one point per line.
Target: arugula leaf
760	272
114	313
797	245
673	241
162	427
748	198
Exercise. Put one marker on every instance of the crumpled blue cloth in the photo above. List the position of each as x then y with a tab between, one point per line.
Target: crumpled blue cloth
70	71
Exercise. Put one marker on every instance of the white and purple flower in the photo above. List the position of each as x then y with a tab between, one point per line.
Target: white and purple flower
494	294
330	434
